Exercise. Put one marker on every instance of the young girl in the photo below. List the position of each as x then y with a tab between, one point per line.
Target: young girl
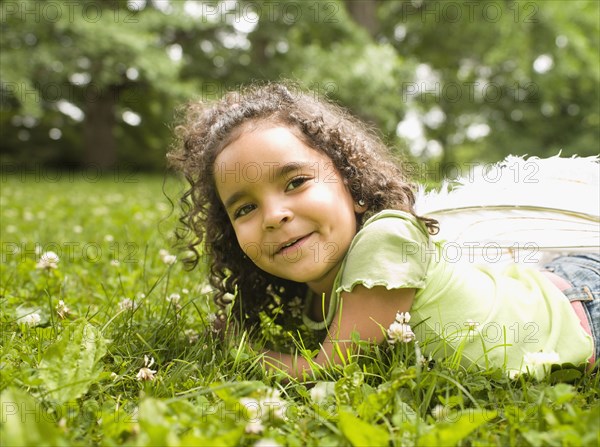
291	197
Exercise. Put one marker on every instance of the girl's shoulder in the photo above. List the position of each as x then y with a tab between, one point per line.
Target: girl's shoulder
392	249
394	222
389	213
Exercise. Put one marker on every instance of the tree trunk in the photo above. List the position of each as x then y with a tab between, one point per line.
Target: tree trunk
364	12
99	140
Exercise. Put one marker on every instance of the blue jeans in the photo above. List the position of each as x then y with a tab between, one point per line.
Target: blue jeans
582	271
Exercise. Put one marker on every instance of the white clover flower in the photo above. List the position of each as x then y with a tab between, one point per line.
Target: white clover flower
31	320
541	358
267	442
146	373
514	374
403	317
191	335
50	257
126	304
62	310
321	390
48	260
440	412
275	405
166	257
174	298
254	427
109	238
211	317
206	289
115	263
185	291
253	408
169	259
400	332
270	405
77	229
318	394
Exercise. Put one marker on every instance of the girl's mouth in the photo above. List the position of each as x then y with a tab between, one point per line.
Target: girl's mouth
292	245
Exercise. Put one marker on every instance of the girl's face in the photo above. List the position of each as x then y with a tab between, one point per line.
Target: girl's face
290	209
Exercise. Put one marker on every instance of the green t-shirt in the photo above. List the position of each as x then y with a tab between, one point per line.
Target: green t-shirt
490	315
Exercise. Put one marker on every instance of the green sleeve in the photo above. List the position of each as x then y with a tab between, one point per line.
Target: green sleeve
392	250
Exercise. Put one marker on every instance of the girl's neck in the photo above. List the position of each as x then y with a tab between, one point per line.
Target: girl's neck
324	284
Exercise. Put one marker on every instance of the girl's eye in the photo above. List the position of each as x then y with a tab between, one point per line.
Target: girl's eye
242	211
296	183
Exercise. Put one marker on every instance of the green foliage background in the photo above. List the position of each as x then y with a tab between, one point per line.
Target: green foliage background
478	79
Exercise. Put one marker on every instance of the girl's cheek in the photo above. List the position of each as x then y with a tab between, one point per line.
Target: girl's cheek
244	237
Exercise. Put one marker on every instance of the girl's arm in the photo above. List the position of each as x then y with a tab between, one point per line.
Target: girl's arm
363	310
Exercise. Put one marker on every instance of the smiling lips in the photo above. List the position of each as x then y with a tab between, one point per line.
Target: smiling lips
291	244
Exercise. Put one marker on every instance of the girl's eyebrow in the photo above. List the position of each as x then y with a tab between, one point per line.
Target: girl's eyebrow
289	167
274	173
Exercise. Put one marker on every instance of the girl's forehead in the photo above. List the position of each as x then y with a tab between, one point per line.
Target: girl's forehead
268	143
267	156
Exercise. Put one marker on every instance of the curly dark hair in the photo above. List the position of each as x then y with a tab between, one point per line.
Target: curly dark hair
362	159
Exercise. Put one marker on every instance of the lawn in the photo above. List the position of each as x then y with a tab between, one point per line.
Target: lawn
110	344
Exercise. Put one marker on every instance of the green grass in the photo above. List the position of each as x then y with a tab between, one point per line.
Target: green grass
74	380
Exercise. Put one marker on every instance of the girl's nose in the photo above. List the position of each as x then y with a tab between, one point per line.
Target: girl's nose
275	215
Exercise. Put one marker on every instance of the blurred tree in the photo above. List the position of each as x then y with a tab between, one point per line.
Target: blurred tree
91	74
106	76
498	77
365	14
80	68
97	81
